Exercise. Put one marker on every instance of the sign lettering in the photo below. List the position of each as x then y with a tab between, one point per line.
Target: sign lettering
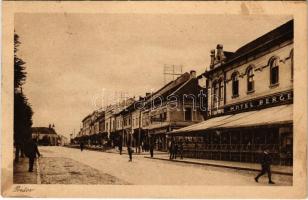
261	102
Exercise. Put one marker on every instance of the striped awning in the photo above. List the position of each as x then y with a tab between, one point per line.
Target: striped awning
265	117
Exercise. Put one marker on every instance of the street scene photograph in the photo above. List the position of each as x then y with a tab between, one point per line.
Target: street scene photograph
153	99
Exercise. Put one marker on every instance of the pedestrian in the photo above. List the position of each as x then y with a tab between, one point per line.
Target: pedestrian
81	146
31	150
130	153
152	149
171	150
181	149
175	151
120	148
266	162
142	146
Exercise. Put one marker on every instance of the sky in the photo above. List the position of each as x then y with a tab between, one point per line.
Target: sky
76	63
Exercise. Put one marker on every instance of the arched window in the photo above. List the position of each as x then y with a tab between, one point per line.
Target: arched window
250	81
235	84
292	65
274	71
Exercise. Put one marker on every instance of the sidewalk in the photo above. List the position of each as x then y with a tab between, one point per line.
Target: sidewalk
276	169
21	174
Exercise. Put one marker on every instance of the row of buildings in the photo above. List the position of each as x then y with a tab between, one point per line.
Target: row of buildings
240	105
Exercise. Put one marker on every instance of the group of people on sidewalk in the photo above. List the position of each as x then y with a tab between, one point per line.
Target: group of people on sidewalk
175	148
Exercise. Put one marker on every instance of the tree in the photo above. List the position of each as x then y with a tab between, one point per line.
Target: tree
19	68
22	109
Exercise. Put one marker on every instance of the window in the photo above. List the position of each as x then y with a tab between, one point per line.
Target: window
221	89
250	81
235	84
188	114
215	93
292	66
165	115
216	88
274	71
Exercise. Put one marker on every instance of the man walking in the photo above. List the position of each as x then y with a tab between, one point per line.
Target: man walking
266	162
120	148
130	153
81	146
31	150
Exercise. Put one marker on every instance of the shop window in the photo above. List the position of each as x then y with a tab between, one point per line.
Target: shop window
235	85
250	81
188	114
274	71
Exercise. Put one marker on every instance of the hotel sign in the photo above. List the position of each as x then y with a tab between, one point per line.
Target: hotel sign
259	103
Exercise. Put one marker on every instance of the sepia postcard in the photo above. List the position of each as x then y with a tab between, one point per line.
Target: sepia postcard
151	99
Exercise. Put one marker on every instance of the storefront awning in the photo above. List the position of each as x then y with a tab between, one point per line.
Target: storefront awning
265	117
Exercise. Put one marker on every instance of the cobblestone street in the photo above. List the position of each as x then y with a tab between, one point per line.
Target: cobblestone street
61	165
57	170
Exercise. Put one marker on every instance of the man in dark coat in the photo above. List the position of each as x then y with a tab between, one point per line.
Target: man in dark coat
152	149
130	153
81	146
120	148
31	150
266	162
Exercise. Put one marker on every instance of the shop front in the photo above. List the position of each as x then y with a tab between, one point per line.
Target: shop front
158	135
242	137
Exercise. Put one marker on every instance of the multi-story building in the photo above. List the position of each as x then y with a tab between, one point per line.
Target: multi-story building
86	125
174	106
93	128
250	97
110	119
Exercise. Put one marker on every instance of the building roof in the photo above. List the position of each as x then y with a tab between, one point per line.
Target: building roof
87	117
282	30
170	87
43	130
262	43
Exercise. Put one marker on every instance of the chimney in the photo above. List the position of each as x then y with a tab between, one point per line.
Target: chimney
220	54
212	58
192	74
